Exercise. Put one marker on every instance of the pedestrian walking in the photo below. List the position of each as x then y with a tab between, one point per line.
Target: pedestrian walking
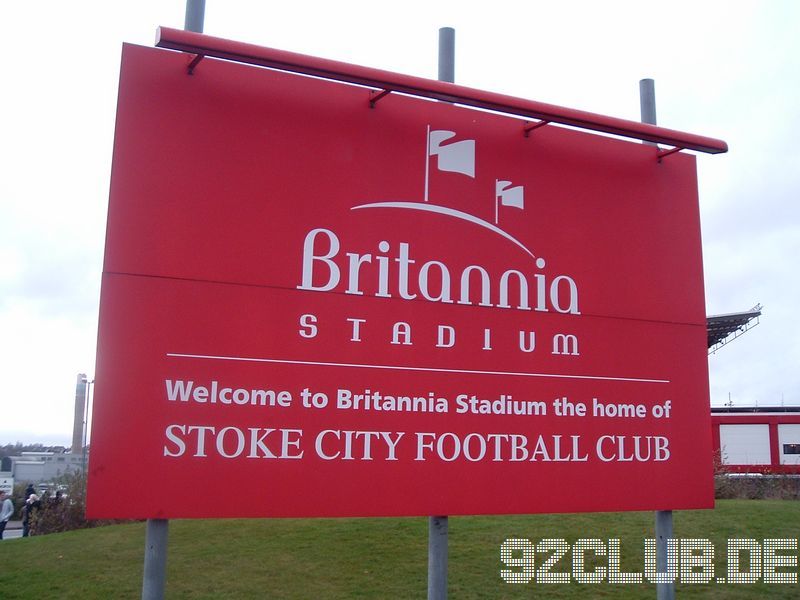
6	511
29	511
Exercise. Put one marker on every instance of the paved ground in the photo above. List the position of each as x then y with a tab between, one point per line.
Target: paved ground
13	530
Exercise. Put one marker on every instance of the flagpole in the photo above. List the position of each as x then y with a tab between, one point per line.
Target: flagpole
496	203
427	159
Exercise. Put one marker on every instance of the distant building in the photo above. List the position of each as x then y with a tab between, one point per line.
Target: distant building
47	466
38	467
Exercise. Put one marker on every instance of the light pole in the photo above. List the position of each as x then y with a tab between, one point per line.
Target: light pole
86	404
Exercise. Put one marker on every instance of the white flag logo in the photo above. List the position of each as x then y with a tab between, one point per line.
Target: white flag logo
456	157
459	157
508	196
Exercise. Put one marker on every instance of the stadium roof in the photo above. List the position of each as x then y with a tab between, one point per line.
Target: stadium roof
723	329
738	410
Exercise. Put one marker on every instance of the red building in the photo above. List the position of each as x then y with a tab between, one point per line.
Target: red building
757	440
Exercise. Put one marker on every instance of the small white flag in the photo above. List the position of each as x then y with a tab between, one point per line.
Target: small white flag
507	196
510	196
457	157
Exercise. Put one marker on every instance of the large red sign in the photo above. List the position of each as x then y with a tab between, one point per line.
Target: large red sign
318	308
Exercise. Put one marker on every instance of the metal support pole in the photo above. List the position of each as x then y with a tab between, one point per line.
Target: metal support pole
664	591
155	543
437	558
437	526
195	15
647	103
447	54
155	559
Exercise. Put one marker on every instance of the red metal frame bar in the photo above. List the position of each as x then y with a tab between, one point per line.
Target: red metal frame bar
198	43
663	153
195	61
534	127
375	96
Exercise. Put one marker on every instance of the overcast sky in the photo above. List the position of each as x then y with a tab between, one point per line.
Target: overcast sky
727	69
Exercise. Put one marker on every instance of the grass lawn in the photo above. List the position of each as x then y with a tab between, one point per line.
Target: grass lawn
370	558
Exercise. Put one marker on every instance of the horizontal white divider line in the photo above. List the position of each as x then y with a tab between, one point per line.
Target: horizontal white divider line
402	368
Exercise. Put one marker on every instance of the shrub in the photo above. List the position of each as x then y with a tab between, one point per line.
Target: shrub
731	485
65	513
69	511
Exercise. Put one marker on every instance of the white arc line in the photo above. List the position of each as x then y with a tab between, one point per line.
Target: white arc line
450	212
404	368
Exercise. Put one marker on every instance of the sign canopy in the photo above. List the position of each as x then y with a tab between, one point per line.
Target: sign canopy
328	309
